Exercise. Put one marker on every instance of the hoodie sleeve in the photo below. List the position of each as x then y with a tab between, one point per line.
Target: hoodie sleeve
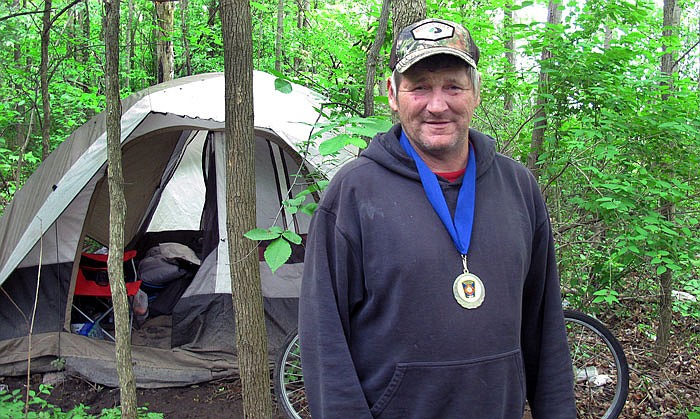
331	268
545	350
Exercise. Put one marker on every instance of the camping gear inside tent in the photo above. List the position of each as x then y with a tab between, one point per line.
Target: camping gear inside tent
173	151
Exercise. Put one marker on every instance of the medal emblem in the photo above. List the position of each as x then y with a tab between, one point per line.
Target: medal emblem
468	290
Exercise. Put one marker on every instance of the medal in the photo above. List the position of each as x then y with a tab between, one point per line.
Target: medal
467	289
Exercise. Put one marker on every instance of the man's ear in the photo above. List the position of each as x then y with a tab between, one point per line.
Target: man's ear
393	102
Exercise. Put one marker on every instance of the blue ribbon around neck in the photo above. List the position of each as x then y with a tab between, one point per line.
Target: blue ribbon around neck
460	228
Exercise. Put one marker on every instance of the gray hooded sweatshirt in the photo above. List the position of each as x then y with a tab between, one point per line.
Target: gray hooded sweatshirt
382	334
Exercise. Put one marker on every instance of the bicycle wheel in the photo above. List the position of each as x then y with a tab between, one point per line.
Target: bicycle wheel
601	373
289	381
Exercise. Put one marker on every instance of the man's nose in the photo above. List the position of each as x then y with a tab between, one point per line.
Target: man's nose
437	102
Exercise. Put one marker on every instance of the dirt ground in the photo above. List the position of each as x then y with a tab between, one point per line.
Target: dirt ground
213	400
655	391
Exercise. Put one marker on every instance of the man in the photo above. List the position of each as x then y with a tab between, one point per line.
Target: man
430	287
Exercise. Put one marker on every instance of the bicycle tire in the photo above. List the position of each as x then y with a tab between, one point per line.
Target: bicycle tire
601	372
289	381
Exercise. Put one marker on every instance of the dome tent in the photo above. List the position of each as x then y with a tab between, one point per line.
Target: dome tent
173	151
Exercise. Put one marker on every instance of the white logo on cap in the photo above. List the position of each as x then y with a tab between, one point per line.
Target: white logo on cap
433	31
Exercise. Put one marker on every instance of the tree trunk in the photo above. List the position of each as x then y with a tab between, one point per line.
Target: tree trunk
129	45
23	149
663	331
279	36
117	213
406	12
302	22
165	14
86	32
251	337
184	5
373	58
510	60
553	18
44	77
23	128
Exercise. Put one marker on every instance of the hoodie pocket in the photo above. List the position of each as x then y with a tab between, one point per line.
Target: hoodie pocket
489	387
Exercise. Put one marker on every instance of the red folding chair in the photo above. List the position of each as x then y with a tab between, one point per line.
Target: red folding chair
92	281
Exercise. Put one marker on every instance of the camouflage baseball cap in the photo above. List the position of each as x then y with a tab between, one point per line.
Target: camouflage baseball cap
430	37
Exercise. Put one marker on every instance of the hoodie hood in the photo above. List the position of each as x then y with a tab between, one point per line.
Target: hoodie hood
385	149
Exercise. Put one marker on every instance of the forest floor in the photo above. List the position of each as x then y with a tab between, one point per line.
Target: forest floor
666	391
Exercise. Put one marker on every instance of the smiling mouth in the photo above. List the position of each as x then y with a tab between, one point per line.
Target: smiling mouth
438	124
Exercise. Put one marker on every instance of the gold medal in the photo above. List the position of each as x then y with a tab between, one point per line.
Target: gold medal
468	289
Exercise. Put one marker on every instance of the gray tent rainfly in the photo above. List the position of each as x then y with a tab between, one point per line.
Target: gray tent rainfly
174	165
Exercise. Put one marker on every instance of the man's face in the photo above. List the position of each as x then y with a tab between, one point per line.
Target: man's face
435	108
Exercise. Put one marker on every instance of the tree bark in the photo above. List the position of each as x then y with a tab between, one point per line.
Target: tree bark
86	31
279	36
302	22
251	337
540	124
406	12
44	77
117	213
510	60
184	5
663	331
373	58
165	15
129	44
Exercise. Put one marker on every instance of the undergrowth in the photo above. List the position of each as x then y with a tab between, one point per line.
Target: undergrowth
13	405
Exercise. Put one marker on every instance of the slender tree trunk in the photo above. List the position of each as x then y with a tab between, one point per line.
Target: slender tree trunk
129	44
251	337
17	61
184	6
117	213
23	149
165	14
510	60
22	127
553	18
86	32
302	22
663	332
44	77
279	36
373	58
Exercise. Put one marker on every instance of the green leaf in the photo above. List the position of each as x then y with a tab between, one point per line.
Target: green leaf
258	234
333	145
309	209
259	6
368	127
277	253
292	237
282	85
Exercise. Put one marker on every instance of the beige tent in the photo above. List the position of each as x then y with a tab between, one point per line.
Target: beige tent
173	157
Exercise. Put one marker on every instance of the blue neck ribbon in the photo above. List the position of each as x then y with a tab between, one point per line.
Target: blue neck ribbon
460	229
